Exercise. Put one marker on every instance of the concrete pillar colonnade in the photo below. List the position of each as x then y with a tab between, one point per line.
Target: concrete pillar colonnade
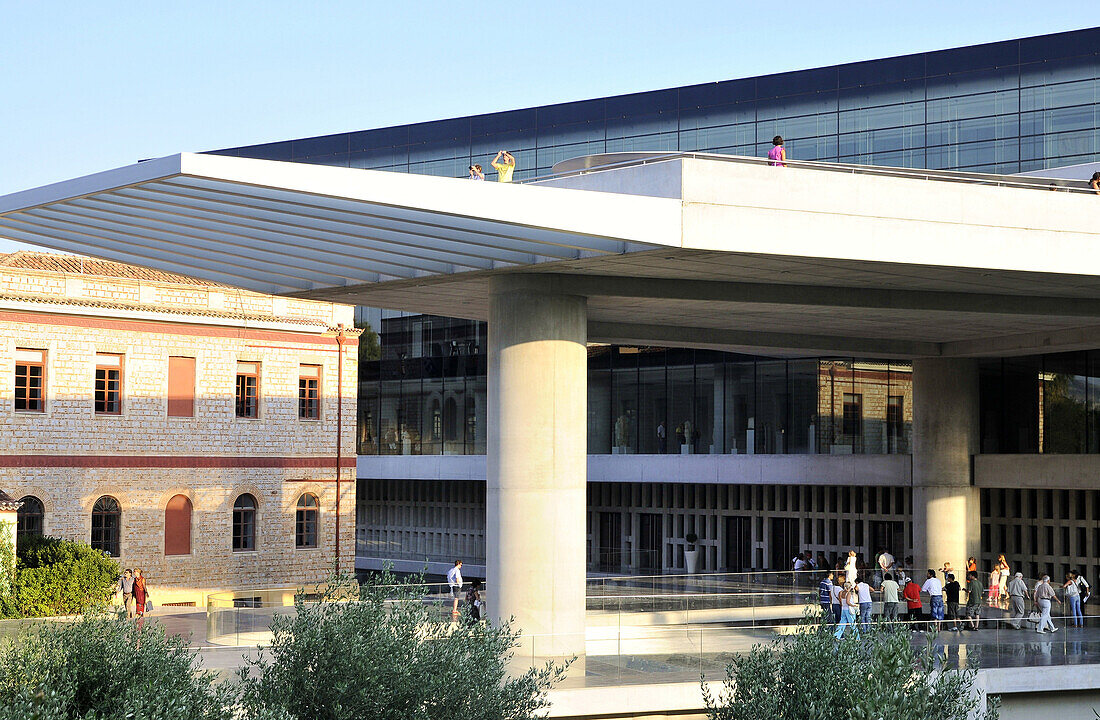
946	520
537	462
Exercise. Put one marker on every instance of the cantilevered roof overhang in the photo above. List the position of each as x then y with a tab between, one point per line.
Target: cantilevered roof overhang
698	250
279	227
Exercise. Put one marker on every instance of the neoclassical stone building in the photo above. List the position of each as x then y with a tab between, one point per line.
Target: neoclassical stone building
190	429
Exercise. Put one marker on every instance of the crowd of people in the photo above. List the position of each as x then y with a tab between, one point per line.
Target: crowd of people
955	602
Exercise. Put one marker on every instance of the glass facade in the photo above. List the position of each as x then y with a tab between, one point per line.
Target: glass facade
426	395
1002	107
1041	403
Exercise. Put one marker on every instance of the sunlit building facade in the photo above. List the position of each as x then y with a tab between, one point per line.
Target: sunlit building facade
1009	107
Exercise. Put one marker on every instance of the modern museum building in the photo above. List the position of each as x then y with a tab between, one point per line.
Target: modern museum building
891	341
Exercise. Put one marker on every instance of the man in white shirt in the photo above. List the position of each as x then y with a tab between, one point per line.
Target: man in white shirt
890	601
885	561
865	605
934	589
454	583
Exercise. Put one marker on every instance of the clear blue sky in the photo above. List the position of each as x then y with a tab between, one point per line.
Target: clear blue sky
88	86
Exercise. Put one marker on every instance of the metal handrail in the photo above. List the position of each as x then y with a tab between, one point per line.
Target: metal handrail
991	179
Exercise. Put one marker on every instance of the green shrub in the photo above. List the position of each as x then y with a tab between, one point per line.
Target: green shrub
59	577
101	668
386	654
811	676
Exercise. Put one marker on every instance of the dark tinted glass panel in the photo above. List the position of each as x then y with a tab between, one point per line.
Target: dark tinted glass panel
720	93
29	517
325	145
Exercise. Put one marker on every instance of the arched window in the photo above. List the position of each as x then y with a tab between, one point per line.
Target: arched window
305	522
244	523
106	523
437	422
177	526
30	516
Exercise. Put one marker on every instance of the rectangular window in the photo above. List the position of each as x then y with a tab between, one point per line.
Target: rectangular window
108	384
309	392
181	387
248	386
853	414
30	380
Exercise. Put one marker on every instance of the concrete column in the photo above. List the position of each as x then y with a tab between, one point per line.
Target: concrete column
536	463
946	522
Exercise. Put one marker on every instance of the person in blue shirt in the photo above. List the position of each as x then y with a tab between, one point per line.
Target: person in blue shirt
825	594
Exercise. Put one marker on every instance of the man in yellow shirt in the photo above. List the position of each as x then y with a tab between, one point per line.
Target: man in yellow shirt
505	164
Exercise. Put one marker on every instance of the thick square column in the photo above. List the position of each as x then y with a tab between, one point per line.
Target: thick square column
537	462
946	521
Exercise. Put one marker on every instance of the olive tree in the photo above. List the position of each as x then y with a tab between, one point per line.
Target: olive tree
809	675
102	667
381	651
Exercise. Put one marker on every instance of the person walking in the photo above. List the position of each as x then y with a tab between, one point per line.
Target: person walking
141	595
1044	594
778	154
1017	591
825	594
473	601
851	573
973	600
454	584
1071	591
934	588
849	606
834	597
890	598
913	605
863	593
505	164
126	587
1002	580
951	598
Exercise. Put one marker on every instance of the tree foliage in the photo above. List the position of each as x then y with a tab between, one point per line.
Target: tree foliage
101	667
59	577
380	651
809	675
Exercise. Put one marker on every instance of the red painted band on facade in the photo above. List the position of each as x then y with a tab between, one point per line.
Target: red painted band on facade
171	328
171	461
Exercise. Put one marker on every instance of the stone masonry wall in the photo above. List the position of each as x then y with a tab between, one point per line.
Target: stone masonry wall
68	456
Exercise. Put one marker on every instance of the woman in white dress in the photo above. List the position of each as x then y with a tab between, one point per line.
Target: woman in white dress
850	567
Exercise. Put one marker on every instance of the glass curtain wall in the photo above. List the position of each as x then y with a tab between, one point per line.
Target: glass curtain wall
1041	403
426	395
1003	107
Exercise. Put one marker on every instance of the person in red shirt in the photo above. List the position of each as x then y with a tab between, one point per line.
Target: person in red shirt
913	603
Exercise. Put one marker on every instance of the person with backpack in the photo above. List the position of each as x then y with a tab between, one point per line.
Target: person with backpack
1071	591
1084	587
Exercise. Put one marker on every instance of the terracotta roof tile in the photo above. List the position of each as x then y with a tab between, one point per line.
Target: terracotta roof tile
167	309
7	502
77	265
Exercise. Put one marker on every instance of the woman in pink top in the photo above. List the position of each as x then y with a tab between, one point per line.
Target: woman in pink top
777	154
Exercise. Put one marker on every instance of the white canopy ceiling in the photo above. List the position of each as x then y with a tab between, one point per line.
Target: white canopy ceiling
281	227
